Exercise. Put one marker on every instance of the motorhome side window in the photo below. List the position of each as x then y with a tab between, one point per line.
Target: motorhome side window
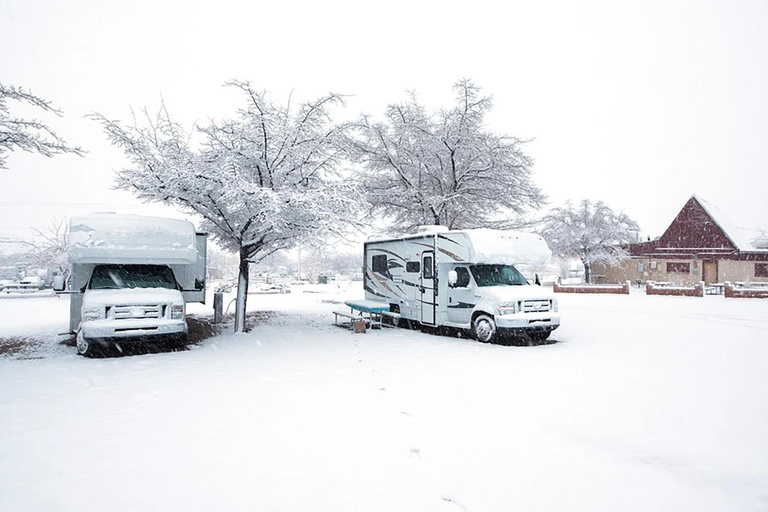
413	267
462	278
428	267
379	264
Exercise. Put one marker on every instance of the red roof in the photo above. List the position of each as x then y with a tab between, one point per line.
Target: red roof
700	229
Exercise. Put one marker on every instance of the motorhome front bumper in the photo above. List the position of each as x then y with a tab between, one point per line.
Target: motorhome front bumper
528	321
141	329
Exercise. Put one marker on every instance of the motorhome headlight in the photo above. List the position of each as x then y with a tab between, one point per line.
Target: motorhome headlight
177	311
555	305
506	308
93	313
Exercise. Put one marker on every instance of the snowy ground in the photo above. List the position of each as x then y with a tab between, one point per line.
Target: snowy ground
644	403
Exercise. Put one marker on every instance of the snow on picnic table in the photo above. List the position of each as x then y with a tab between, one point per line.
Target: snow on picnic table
643	403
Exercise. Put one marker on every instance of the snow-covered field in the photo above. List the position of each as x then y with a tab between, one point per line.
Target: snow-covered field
643	403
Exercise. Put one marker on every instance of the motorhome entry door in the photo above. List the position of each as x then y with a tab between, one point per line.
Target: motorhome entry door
427	287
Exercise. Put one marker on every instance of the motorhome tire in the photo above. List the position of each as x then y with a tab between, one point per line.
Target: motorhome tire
484	328
85	347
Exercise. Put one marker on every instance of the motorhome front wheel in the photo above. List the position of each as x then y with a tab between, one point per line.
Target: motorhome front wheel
84	345
484	328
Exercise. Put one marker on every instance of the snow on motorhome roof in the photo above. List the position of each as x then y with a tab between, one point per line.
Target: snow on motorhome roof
494	245
733	233
510	247
128	238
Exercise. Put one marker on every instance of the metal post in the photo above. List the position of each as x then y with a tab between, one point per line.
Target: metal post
218	307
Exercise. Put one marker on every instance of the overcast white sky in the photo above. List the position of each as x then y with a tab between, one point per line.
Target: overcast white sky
640	104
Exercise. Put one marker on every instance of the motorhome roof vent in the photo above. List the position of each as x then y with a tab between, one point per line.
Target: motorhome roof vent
431	228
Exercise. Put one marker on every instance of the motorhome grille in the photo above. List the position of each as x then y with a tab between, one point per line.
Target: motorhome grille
536	306
144	311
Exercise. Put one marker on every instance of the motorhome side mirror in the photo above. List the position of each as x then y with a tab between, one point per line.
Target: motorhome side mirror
538	279
453	277
58	283
199	284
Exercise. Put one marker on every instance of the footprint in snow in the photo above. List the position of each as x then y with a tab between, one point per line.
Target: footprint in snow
449	499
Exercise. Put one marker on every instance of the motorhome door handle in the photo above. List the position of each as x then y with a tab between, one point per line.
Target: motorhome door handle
422	289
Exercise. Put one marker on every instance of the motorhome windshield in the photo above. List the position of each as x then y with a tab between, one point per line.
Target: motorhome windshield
106	277
497	275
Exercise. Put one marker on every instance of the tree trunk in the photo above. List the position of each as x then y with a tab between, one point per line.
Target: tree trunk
587	273
242	292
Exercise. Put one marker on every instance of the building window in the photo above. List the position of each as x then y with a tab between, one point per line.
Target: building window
413	267
678	268
379	264
761	269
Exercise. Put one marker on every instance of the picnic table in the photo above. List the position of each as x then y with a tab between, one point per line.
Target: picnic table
369	311
715	288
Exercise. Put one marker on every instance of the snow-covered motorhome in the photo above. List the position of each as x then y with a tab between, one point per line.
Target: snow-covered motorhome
464	279
131	279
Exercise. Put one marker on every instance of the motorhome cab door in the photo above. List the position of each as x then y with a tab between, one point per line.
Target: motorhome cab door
427	287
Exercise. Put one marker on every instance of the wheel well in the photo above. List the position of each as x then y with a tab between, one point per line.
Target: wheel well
478	313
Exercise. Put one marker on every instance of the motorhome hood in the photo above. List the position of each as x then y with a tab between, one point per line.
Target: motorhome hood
131	296
498	294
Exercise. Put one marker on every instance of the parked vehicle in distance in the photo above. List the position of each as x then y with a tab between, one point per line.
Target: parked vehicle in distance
131	279
463	279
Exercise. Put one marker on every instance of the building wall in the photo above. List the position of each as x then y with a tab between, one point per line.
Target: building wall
733	271
627	270
652	270
617	274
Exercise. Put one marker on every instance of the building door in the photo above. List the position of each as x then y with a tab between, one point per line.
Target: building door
427	288
710	272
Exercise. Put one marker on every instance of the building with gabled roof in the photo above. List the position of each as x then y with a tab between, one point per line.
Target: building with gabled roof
699	245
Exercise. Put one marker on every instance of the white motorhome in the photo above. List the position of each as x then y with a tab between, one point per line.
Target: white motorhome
463	279
131	279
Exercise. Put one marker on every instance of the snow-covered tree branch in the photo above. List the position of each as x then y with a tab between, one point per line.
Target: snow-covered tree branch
591	231
265	180
444	167
28	134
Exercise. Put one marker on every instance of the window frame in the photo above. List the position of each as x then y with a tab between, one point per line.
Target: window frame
430	267
377	267
458	276
676	267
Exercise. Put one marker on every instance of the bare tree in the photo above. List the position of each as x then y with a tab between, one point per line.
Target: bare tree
29	135
591	231
444	167
48	247
261	182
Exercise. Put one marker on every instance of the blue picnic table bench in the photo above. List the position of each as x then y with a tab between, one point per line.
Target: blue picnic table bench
369	311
